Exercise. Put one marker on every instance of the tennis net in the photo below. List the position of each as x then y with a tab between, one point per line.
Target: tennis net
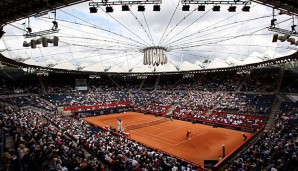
146	124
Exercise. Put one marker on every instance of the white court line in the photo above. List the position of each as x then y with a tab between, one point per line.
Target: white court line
194	129
158	139
155	135
115	121
191	138
170	131
158	135
152	137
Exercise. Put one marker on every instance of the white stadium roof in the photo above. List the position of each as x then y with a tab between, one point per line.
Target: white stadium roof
115	42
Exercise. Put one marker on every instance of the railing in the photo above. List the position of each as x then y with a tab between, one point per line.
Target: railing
224	163
98	106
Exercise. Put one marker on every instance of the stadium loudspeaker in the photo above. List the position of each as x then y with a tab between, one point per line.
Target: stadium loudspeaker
125	8
156	7
275	38
33	44
185	8
44	42
141	8
201	8
216	8
246	8
93	10
232	9
26	44
109	9
56	40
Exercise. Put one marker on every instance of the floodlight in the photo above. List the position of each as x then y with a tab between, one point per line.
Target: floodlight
275	38
29	29
109	9
125	8
273	22
55	25
293	28
232	9
246	8
156	7
141	8
216	8
185	8
93	10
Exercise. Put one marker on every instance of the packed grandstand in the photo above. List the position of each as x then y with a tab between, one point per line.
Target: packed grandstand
262	101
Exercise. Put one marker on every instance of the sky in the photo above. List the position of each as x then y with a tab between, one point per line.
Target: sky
108	40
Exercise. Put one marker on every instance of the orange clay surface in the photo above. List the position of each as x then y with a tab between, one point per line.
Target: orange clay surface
170	137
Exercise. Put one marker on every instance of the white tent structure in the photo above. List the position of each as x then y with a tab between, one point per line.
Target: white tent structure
255	57
269	54
97	67
22	57
65	65
144	68
169	67
217	63
187	66
32	62
118	68
278	55
232	61
199	63
51	62
9	54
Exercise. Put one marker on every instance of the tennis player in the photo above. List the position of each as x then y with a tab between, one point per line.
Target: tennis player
120	126
188	132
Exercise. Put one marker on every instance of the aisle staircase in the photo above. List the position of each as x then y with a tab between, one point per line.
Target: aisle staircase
286	98
170	110
156	83
142	84
270	121
214	107
279	79
115	82
43	87
243	81
278	99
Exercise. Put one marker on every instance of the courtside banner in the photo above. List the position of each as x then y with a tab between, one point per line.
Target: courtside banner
98	112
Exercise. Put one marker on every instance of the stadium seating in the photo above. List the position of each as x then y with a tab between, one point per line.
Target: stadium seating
210	98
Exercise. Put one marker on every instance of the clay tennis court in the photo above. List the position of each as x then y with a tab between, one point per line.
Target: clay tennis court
170	136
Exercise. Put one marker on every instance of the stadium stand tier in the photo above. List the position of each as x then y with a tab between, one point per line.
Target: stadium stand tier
44	139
